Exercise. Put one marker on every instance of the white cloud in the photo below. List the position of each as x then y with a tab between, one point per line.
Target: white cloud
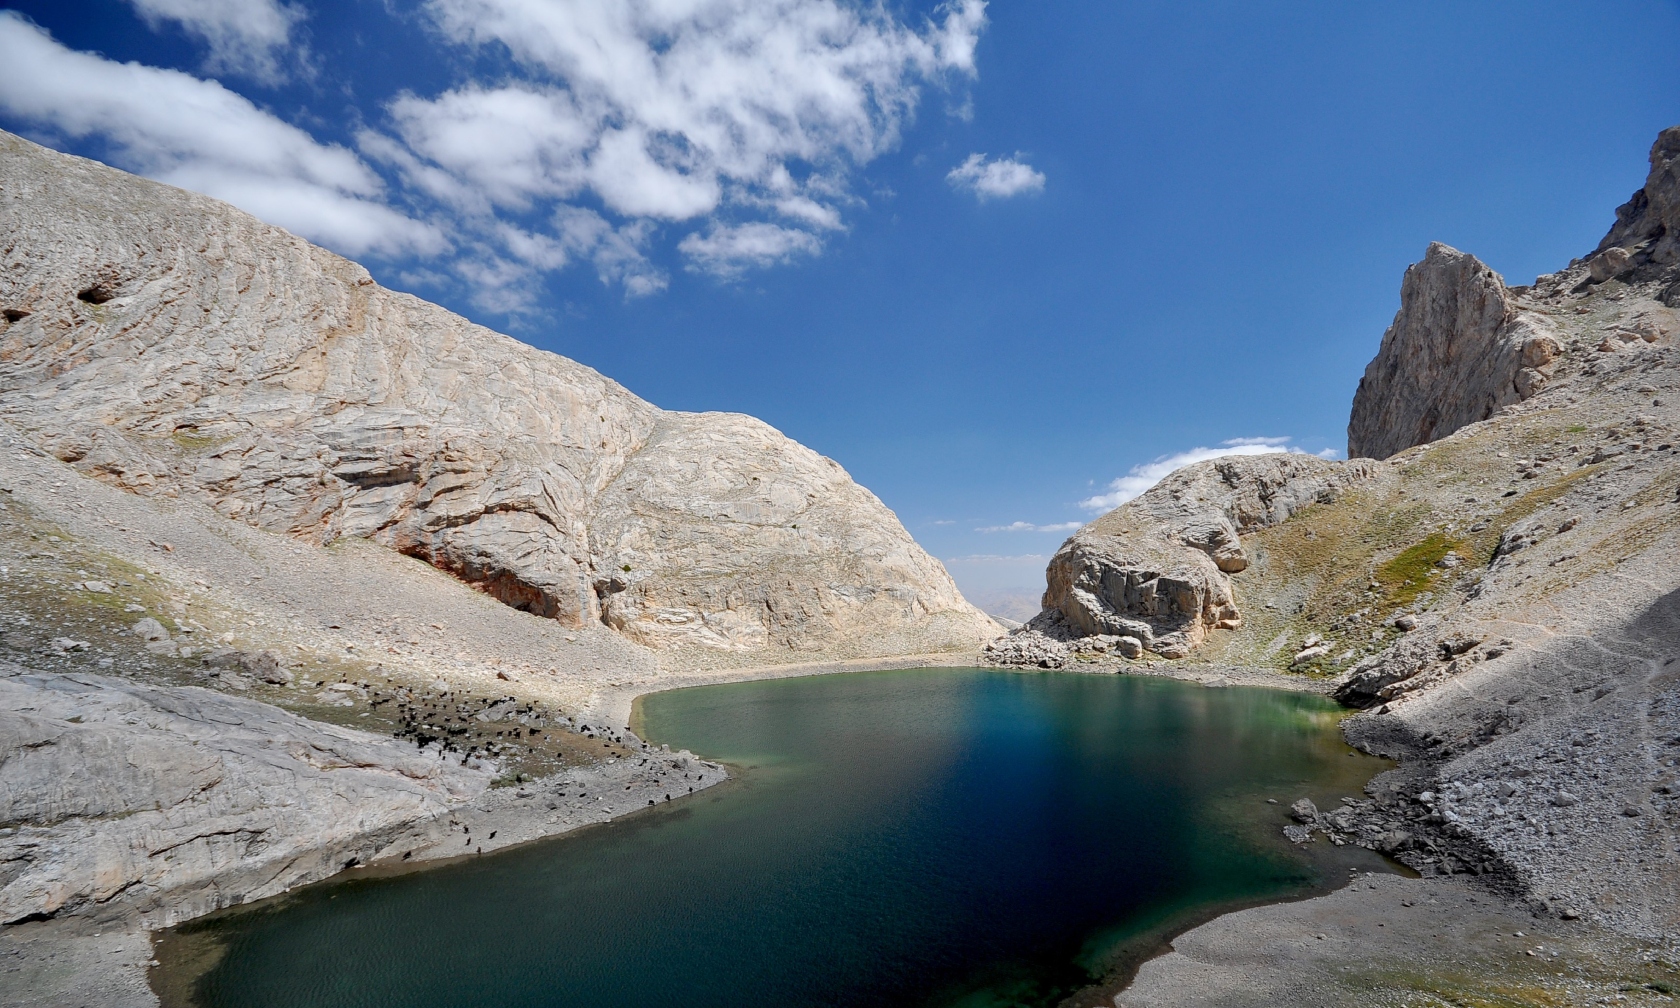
244	36
669	112
1142	477
198	135
1022	526
995	179
726	251
741	122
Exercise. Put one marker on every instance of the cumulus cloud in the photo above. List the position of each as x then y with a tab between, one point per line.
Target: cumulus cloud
1142	477
1022	526
671	112
244	36
995	179
198	135
731	128
726	251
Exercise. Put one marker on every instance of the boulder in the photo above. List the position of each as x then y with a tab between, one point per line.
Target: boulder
149	629
1612	262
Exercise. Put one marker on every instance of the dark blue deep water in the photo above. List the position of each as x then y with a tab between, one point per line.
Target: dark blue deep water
928	837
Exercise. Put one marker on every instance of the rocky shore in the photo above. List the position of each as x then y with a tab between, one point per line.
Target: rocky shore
290	587
1387	940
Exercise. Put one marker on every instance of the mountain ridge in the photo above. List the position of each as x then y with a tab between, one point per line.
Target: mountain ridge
171	344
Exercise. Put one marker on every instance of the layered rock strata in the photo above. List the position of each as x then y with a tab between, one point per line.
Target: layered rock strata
118	797
123	801
172	345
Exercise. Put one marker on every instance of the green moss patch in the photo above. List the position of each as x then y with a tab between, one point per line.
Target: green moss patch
1408	575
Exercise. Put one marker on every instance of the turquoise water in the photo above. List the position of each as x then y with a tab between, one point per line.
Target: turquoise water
925	837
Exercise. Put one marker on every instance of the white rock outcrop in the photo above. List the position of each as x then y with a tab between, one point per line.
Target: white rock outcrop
119	798
1458	350
1157	568
171	344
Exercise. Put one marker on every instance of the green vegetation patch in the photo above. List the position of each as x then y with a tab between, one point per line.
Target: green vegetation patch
1407	576
190	442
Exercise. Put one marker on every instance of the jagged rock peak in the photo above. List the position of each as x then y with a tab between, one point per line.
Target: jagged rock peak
1459	349
172	345
1647	226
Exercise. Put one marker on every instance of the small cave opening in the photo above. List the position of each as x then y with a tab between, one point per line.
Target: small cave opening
97	294
13	314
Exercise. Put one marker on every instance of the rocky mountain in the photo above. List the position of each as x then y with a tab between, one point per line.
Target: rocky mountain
172	345
298	573
1155	573
1494	582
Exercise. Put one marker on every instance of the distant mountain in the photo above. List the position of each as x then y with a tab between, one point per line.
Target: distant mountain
1014	604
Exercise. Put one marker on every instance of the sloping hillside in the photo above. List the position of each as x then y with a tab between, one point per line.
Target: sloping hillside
171	345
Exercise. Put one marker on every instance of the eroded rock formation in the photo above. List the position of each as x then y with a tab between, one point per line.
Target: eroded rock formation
121	798
1498	593
173	345
1645	240
1458	351
1156	569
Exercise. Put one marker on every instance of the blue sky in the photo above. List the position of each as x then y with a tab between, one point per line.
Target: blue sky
1186	225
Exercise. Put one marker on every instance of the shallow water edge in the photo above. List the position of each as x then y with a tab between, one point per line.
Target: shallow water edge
927	730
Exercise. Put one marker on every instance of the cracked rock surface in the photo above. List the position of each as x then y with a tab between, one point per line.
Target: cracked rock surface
176	347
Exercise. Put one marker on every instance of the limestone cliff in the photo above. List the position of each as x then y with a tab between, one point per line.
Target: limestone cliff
172	345
1458	351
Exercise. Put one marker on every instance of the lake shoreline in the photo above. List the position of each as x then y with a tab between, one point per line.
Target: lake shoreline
516	817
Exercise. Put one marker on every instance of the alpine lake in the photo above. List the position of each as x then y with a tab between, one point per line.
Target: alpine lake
924	838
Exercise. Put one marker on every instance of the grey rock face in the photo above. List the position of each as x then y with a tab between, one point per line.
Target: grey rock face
1457	351
1156	568
119	798
1647	228
1460	348
172	345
